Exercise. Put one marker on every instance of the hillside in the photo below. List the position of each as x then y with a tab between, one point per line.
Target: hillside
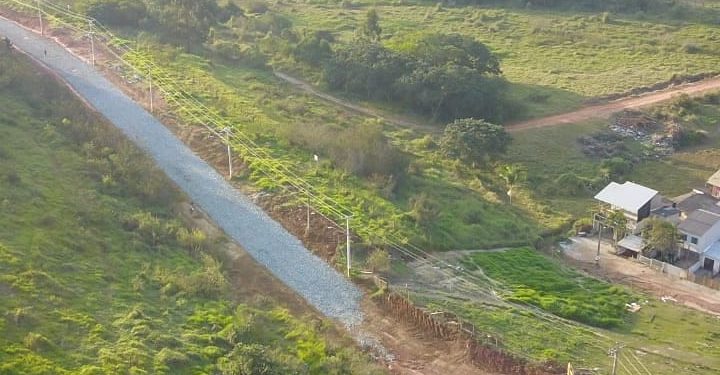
104	269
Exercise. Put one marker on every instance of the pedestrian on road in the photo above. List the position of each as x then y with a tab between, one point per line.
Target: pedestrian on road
45	51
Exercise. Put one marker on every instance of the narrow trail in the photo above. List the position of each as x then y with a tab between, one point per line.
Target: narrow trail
585	113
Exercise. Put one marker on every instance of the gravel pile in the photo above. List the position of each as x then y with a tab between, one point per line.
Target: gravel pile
266	240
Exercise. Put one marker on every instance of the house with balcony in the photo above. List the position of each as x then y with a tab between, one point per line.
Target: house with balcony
700	233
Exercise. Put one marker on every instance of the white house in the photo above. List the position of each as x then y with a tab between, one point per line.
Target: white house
700	233
636	201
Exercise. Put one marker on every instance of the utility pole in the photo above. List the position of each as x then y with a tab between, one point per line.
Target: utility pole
307	223
347	241
227	141
597	256
42	29
92	42
151	92
615	353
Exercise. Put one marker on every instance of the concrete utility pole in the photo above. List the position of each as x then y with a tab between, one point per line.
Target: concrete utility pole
615	353
347	240
151	93
597	257
42	29
92	42
227	141
307	223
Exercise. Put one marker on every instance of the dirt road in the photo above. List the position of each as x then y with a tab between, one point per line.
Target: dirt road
618	269
586	113
605	110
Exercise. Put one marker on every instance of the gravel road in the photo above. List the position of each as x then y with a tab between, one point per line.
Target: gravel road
266	240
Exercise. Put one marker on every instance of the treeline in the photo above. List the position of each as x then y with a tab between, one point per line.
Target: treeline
441	76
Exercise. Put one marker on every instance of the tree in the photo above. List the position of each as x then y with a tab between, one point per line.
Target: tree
186	21
371	28
473	141
423	210
442	49
660	239
513	175
617	219
378	261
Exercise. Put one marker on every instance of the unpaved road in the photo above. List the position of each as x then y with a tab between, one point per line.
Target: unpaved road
618	269
585	113
605	110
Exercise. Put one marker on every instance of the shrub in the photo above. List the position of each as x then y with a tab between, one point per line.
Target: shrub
115	12
378	261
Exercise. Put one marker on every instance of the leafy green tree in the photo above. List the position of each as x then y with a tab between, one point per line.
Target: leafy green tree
371	28
115	12
619	224
313	49
473	141
660	239
442	49
513	175
186	22
378	261
423	210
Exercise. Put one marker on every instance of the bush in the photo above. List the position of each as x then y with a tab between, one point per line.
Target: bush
129	13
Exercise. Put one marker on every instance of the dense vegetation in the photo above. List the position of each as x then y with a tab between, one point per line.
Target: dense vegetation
99	275
536	280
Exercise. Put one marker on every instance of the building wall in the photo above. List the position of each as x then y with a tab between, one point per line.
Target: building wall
710	237
714	191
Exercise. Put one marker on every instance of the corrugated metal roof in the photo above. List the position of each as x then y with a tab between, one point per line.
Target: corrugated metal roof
699	222
632	242
714	180
628	196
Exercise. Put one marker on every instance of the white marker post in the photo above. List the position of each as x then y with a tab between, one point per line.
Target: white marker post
227	140
92	42
347	240
42	29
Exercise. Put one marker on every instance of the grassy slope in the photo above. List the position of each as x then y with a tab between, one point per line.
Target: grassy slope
82	294
554	58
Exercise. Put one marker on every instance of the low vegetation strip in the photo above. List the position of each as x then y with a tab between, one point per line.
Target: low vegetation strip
534	279
99	275
264	239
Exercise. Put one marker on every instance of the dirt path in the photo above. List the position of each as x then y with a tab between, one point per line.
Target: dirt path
637	275
395	120
605	110
586	113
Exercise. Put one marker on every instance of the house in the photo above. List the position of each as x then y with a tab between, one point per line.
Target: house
700	233
713	185
635	201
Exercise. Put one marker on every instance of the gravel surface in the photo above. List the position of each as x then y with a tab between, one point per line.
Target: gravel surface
266	240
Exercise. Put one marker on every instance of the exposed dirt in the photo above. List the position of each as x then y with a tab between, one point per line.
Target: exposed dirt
605	110
414	353
586	113
620	270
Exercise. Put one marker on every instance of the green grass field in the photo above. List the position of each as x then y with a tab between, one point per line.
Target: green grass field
94	275
667	338
535	280
555	58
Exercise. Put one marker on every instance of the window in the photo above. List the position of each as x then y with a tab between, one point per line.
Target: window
683	237
694	240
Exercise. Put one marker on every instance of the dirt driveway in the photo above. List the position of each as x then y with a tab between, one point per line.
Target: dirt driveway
582	251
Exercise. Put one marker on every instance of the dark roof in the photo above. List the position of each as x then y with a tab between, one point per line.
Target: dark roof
665	211
699	222
697	200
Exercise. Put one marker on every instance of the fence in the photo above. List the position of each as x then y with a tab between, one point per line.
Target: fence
705	280
663	267
482	349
